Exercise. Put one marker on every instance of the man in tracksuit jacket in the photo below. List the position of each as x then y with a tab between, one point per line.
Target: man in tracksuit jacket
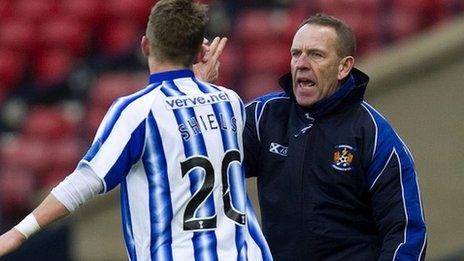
335	181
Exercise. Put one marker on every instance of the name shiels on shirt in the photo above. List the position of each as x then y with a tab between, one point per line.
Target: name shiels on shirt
202	122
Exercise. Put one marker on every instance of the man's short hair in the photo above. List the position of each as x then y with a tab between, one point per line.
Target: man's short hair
346	38
176	29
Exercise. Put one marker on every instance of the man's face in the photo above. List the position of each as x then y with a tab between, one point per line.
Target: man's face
315	64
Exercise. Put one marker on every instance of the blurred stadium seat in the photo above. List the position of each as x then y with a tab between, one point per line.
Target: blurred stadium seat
260	25
255	85
88	12
229	64
119	38
364	17
18	187
105	90
134	10
64	32
48	123
35	10
52	66
18	34
12	67
272	57
5	10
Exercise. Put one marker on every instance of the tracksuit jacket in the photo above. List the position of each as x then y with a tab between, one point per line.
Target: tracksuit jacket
335	182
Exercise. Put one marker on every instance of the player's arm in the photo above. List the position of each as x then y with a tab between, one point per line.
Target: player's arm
77	188
47	212
206	65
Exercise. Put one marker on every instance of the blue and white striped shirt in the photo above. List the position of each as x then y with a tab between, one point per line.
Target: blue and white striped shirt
175	147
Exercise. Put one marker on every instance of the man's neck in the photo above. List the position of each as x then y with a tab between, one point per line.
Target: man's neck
157	67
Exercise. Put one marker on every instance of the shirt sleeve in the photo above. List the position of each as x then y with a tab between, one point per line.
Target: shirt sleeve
77	188
119	141
395	196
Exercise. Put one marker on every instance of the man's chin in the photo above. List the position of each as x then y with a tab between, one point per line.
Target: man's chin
305	101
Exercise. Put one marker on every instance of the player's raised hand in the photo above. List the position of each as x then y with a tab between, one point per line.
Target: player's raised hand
10	241
207	69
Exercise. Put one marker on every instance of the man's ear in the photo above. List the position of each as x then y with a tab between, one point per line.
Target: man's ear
345	66
145	46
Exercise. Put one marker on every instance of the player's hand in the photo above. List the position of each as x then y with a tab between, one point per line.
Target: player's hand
10	241
207	69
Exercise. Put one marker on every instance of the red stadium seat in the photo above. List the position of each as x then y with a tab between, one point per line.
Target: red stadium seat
47	123
5	10
270	57
364	17
11	69
258	25
341	6
105	90
296	16
134	10
52	66
88	12
93	119
255	85
109	86
64	155
25	153
36	10
17	186
11	152
120	38
229	62
65	33
19	35
67	153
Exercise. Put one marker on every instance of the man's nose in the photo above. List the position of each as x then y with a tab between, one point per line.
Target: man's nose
302	62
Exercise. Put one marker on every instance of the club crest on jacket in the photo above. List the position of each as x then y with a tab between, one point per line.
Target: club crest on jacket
343	157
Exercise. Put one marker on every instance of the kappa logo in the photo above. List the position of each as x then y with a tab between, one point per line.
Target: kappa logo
343	157
278	149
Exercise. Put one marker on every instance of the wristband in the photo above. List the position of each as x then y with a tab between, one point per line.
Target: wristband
28	226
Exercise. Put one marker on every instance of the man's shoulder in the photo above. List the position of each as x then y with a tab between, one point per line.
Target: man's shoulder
140	100
272	96
370	114
271	99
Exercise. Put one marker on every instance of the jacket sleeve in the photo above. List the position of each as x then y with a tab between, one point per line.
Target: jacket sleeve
251	141
395	196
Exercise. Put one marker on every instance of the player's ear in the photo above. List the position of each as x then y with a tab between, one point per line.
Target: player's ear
145	46
345	66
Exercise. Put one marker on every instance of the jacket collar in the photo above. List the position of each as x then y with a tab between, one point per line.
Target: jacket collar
353	87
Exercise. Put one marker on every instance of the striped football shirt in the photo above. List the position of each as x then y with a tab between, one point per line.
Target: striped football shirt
175	148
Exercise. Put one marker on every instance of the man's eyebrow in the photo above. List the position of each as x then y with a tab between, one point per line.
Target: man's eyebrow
310	50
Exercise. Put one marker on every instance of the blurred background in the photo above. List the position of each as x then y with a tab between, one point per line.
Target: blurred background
62	63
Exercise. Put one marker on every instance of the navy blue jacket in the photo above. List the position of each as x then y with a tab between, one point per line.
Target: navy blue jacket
335	182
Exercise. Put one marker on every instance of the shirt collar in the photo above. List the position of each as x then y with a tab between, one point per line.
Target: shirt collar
170	75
